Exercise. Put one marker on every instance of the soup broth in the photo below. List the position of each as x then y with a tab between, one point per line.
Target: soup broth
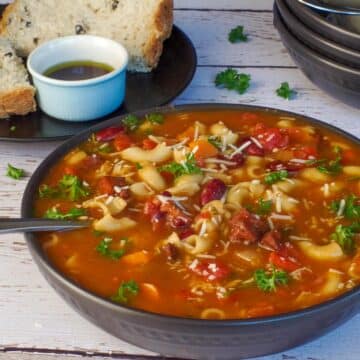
216	215
78	70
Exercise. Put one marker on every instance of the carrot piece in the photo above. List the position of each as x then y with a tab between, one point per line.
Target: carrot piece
150	291
348	156
138	258
188	133
122	142
204	149
68	170
148	144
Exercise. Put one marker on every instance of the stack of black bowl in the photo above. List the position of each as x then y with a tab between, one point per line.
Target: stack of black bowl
327	53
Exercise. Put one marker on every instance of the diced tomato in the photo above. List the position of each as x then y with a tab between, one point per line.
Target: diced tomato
305	152
348	157
91	162
106	184
68	170
271	138
211	270
122	142
254	150
284	259
168	176
149	144
109	133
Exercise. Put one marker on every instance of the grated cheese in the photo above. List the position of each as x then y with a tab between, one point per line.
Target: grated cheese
256	142
281	217
341	207
219	161
241	148
203	229
299	238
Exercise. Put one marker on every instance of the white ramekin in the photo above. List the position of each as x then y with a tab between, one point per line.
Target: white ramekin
80	100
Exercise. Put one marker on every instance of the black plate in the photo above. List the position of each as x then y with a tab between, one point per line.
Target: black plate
143	90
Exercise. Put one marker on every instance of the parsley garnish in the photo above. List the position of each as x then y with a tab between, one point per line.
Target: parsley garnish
126	289
230	79
13	128
344	236
104	249
131	122
332	167
215	141
276	176
187	167
14	172
285	91
138	166
351	208
268	280
155	118
70	187
55	214
105	148
237	35
264	207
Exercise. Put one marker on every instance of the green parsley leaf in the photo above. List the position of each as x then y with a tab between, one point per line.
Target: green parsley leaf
131	122
351	209
48	192
12	128
55	214
72	188
98	233
187	167
104	249
215	141
126	289
230	79
138	166
264	207
332	167
344	236
276	176
285	91
155	118
237	35
268	280
105	148
14	172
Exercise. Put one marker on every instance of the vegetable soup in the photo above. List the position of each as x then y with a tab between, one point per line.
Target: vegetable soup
208	214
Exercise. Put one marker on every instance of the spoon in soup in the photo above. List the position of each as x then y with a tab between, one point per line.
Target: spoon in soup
35	225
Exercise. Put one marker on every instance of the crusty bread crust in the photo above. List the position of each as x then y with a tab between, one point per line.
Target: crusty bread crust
5	17
163	24
18	101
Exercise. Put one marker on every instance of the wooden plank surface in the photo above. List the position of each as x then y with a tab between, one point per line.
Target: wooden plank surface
32	316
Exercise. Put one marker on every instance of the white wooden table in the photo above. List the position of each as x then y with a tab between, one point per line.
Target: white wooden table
33	319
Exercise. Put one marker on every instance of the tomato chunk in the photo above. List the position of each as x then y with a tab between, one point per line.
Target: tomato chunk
107	185
109	133
271	138
284	259
211	270
122	142
305	152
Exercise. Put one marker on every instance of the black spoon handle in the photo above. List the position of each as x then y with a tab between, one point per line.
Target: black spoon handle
34	225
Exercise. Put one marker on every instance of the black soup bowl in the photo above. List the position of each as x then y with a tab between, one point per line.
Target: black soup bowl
183	337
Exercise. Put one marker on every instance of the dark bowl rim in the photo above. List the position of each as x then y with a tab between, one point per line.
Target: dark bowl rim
299	28
307	51
310	13
61	150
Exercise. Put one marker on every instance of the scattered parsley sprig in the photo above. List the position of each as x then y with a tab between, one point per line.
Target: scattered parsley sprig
237	35
351	209
14	172
232	80
104	249
344	236
285	91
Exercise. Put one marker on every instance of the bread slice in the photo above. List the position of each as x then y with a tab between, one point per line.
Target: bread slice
16	92
140	25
